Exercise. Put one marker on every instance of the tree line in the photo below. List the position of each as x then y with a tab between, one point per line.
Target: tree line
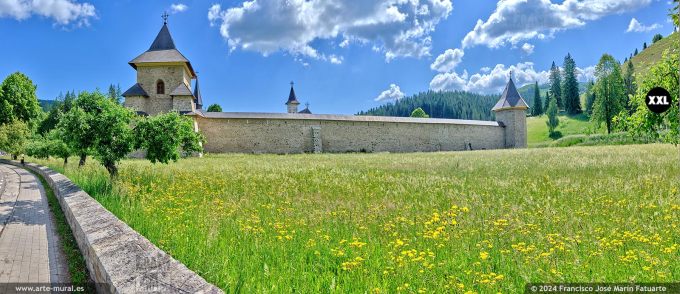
88	124
440	104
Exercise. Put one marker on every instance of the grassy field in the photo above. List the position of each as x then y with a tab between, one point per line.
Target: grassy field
480	221
537	130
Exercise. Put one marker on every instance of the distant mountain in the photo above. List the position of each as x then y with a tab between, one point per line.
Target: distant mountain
650	56
456	105
46	104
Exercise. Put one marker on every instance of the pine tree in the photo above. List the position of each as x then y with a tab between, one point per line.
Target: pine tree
657	38
590	97
629	81
546	102
636	52
537	108
570	95
114	93
556	84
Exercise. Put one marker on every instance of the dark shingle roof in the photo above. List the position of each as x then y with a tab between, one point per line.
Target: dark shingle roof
181	90
135	90
162	50
510	98
163	40
306	110
291	97
197	96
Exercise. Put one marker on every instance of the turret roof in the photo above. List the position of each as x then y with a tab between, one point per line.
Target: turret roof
162	50
292	99
197	96
510	98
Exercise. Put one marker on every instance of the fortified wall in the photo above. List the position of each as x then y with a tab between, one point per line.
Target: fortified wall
297	133
164	84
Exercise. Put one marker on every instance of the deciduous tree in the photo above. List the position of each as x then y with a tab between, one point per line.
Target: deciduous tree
664	126
609	91
214	108
419	112
167	137
18	100
14	137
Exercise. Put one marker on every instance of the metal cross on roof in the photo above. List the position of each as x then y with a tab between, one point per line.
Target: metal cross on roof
165	17
307	105
291	83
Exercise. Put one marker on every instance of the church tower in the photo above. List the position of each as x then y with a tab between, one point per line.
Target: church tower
163	79
292	103
511	112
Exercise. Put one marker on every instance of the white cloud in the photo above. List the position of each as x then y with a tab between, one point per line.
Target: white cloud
179	7
448	60
528	48
63	12
491	82
636	26
397	28
514	21
335	59
585	74
391	94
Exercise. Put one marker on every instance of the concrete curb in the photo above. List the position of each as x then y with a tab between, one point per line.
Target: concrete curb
119	259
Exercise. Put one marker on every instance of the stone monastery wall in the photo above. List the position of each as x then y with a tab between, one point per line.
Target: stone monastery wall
298	133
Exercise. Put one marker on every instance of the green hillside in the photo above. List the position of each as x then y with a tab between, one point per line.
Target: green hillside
537	130
648	57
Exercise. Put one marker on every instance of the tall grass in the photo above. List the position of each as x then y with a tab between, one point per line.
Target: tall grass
480	221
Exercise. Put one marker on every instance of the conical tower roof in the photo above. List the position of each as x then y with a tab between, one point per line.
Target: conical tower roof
162	50
510	98
163	40
292	99
197	96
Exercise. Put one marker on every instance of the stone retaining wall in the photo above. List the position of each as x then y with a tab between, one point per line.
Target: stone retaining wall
119	259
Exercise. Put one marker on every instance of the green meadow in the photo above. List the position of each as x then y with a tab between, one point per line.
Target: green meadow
476	221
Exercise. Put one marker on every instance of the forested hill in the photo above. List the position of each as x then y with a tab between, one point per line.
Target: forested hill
458	105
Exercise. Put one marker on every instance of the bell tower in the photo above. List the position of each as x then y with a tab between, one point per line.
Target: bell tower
163	78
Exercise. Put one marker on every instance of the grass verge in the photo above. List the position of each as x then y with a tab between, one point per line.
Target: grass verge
76	262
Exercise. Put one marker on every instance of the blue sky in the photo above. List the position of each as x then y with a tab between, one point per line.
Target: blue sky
344	56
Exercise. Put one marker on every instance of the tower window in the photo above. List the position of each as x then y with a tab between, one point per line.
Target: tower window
160	87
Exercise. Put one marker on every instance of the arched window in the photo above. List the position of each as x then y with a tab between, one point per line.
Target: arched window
160	87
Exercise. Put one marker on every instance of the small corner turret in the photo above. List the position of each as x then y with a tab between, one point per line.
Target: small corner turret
292	102
511	112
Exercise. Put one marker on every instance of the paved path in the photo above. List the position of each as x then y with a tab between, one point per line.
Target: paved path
30	251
